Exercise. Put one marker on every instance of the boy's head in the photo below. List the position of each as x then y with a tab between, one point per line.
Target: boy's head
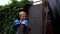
22	15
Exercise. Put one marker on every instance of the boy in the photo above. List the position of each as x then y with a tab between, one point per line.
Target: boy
22	25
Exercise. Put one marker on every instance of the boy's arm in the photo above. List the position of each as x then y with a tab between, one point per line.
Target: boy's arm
28	28
14	27
15	24
27	25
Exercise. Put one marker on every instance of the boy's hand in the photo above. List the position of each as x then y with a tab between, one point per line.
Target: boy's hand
28	28
12	26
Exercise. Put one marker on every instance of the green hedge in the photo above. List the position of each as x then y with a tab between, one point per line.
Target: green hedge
6	21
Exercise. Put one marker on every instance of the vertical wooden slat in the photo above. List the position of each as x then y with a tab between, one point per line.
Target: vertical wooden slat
48	29
44	16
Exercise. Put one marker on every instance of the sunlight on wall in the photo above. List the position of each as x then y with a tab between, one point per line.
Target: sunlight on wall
35	2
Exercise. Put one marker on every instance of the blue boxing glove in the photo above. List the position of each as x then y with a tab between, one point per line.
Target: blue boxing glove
16	22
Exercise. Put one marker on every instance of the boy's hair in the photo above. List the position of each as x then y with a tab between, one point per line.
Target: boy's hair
22	12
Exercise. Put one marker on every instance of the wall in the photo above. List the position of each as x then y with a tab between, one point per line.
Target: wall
35	18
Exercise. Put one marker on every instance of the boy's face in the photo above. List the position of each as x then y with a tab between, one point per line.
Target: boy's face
22	16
